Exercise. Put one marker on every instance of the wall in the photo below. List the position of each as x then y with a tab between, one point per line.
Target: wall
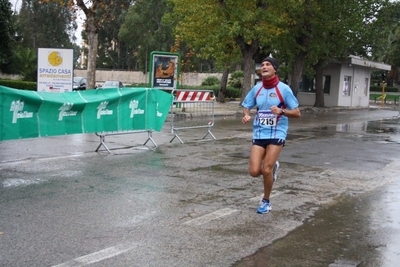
132	77
10	76
359	91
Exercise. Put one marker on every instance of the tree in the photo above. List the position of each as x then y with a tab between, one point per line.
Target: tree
210	42
308	45
40	24
45	24
361	30
387	47
305	35
222	29
7	37
27	62
96	13
112	52
144	31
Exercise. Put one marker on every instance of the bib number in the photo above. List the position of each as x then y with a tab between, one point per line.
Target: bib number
267	118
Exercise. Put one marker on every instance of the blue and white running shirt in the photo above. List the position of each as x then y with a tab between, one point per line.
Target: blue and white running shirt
267	125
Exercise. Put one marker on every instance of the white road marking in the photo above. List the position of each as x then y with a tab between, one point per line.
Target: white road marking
98	256
211	216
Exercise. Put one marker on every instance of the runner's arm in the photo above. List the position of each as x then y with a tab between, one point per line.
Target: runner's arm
290	113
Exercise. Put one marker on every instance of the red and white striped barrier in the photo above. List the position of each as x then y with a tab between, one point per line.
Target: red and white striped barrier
192	96
192	109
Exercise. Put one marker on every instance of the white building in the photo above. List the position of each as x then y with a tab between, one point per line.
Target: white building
346	84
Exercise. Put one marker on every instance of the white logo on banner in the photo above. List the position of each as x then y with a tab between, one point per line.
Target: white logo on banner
102	109
159	114
133	105
65	111
18	113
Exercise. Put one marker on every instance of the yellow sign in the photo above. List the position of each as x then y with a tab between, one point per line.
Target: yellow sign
55	58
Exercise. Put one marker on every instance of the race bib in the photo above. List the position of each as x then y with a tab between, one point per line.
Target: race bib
266	118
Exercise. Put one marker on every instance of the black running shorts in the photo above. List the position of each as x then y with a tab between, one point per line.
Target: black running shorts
265	142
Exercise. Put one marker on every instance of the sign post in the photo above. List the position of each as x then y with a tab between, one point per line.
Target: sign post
164	70
55	70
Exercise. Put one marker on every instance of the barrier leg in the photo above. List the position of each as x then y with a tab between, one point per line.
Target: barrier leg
398	115
176	136
102	143
209	133
150	138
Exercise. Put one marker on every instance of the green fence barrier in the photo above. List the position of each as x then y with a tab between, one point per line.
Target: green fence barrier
29	114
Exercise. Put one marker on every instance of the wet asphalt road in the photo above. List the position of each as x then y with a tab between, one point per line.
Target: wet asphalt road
336	201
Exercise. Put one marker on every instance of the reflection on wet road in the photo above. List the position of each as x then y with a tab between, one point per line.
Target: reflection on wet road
359	230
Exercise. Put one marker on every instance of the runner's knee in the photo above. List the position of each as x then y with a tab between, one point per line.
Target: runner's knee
255	172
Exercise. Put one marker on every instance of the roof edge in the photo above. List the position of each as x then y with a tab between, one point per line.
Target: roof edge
358	61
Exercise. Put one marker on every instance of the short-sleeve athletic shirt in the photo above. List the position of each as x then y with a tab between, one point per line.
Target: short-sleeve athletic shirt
275	126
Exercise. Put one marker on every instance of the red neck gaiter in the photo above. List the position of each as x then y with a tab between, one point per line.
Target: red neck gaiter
270	83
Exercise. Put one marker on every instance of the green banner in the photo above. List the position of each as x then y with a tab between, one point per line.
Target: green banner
29	114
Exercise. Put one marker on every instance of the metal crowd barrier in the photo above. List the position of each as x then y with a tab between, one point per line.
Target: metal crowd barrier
103	135
192	109
398	115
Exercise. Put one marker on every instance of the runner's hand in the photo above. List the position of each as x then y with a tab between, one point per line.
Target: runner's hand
276	110
246	118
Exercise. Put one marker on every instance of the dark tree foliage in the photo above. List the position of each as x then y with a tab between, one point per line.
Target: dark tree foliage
45	24
112	51
7	38
145	31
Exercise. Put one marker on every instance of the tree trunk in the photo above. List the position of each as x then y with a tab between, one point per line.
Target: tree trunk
247	72
319	86
392	76
248	52
222	89
92	51
297	72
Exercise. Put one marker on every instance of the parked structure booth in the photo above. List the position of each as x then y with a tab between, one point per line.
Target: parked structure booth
346	84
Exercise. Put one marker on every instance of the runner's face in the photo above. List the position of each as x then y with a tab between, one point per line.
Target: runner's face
267	70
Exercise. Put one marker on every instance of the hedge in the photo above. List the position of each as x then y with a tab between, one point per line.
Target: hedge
18	84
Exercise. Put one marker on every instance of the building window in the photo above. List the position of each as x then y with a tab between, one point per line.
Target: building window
365	90
346	85
308	85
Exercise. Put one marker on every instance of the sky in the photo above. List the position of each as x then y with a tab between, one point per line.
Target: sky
17	5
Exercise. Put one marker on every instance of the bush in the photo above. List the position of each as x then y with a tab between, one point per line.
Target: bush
236	79
214	88
387	97
232	92
18	84
210	81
